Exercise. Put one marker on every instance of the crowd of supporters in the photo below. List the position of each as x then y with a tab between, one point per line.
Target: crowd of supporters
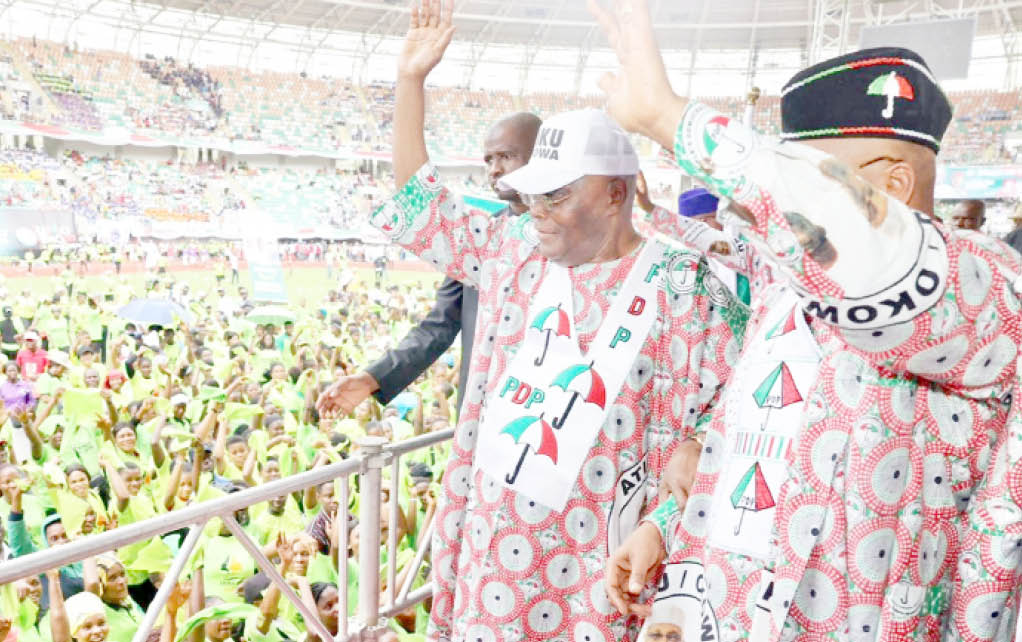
106	421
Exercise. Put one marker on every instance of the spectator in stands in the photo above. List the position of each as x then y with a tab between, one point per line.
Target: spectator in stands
969	215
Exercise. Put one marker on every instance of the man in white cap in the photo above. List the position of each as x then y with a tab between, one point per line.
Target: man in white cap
31	358
596	350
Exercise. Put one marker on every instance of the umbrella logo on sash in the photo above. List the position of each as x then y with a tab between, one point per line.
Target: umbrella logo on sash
751	493
547	442
778	390
784	326
552	320
581	380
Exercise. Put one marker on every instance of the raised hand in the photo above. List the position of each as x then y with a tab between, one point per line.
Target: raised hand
284	551
429	33
639	95
178	596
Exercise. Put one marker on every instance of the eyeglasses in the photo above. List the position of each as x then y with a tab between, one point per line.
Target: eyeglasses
550	200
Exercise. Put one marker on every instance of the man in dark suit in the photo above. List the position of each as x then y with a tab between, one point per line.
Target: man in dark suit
508	146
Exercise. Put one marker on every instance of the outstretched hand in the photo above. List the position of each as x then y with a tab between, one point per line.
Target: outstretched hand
639	95
345	394
429	32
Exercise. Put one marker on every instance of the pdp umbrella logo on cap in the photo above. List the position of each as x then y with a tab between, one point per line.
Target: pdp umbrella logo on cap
892	86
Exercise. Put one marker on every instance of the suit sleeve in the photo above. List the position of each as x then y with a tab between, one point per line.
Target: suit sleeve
422	345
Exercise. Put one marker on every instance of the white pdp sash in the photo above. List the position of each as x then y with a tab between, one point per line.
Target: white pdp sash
541	420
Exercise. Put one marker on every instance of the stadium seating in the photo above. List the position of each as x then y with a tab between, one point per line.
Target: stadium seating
51	83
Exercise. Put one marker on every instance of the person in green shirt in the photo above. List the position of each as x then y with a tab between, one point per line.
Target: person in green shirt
55	377
105	577
82	618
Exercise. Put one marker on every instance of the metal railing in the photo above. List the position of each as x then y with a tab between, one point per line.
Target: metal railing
374	454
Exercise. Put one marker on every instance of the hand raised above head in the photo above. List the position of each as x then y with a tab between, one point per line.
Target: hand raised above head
429	32
639	95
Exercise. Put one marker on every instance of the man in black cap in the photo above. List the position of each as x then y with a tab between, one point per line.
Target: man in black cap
845	482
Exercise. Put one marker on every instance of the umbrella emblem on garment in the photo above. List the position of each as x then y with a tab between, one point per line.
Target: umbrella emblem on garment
582	381
892	86
778	390
784	326
751	493
552	320
716	133
522	429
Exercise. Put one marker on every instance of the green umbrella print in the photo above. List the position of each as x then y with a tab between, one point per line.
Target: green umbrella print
778	390
552	320
582	380
751	493
547	442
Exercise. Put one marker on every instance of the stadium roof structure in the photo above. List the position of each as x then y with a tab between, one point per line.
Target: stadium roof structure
809	30
709	24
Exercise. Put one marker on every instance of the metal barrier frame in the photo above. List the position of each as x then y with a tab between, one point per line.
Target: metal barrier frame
374	454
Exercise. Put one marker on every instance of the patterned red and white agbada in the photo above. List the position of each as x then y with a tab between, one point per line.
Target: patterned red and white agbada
505	568
899	518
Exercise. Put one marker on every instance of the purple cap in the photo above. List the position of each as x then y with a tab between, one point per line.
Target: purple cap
697	202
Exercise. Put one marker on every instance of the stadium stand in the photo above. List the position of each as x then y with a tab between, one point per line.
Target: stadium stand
51	83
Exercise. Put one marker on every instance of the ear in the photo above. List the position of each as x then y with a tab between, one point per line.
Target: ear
901	181
617	191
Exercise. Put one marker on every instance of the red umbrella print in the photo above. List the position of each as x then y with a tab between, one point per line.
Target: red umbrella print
778	390
547	441
751	493
552	320
581	379
784	326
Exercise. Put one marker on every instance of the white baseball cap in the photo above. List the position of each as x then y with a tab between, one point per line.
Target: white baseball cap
586	142
59	357
179	400
31	335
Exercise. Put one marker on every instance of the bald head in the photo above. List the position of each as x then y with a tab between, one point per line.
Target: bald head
523	125
508	146
969	215
904	170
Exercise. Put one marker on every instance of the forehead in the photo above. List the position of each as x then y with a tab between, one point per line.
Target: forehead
500	139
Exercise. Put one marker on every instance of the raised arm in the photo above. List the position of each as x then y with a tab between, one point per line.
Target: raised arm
116	483
90	576
60	628
173	482
429	33
861	260
156	442
178	597
271	599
